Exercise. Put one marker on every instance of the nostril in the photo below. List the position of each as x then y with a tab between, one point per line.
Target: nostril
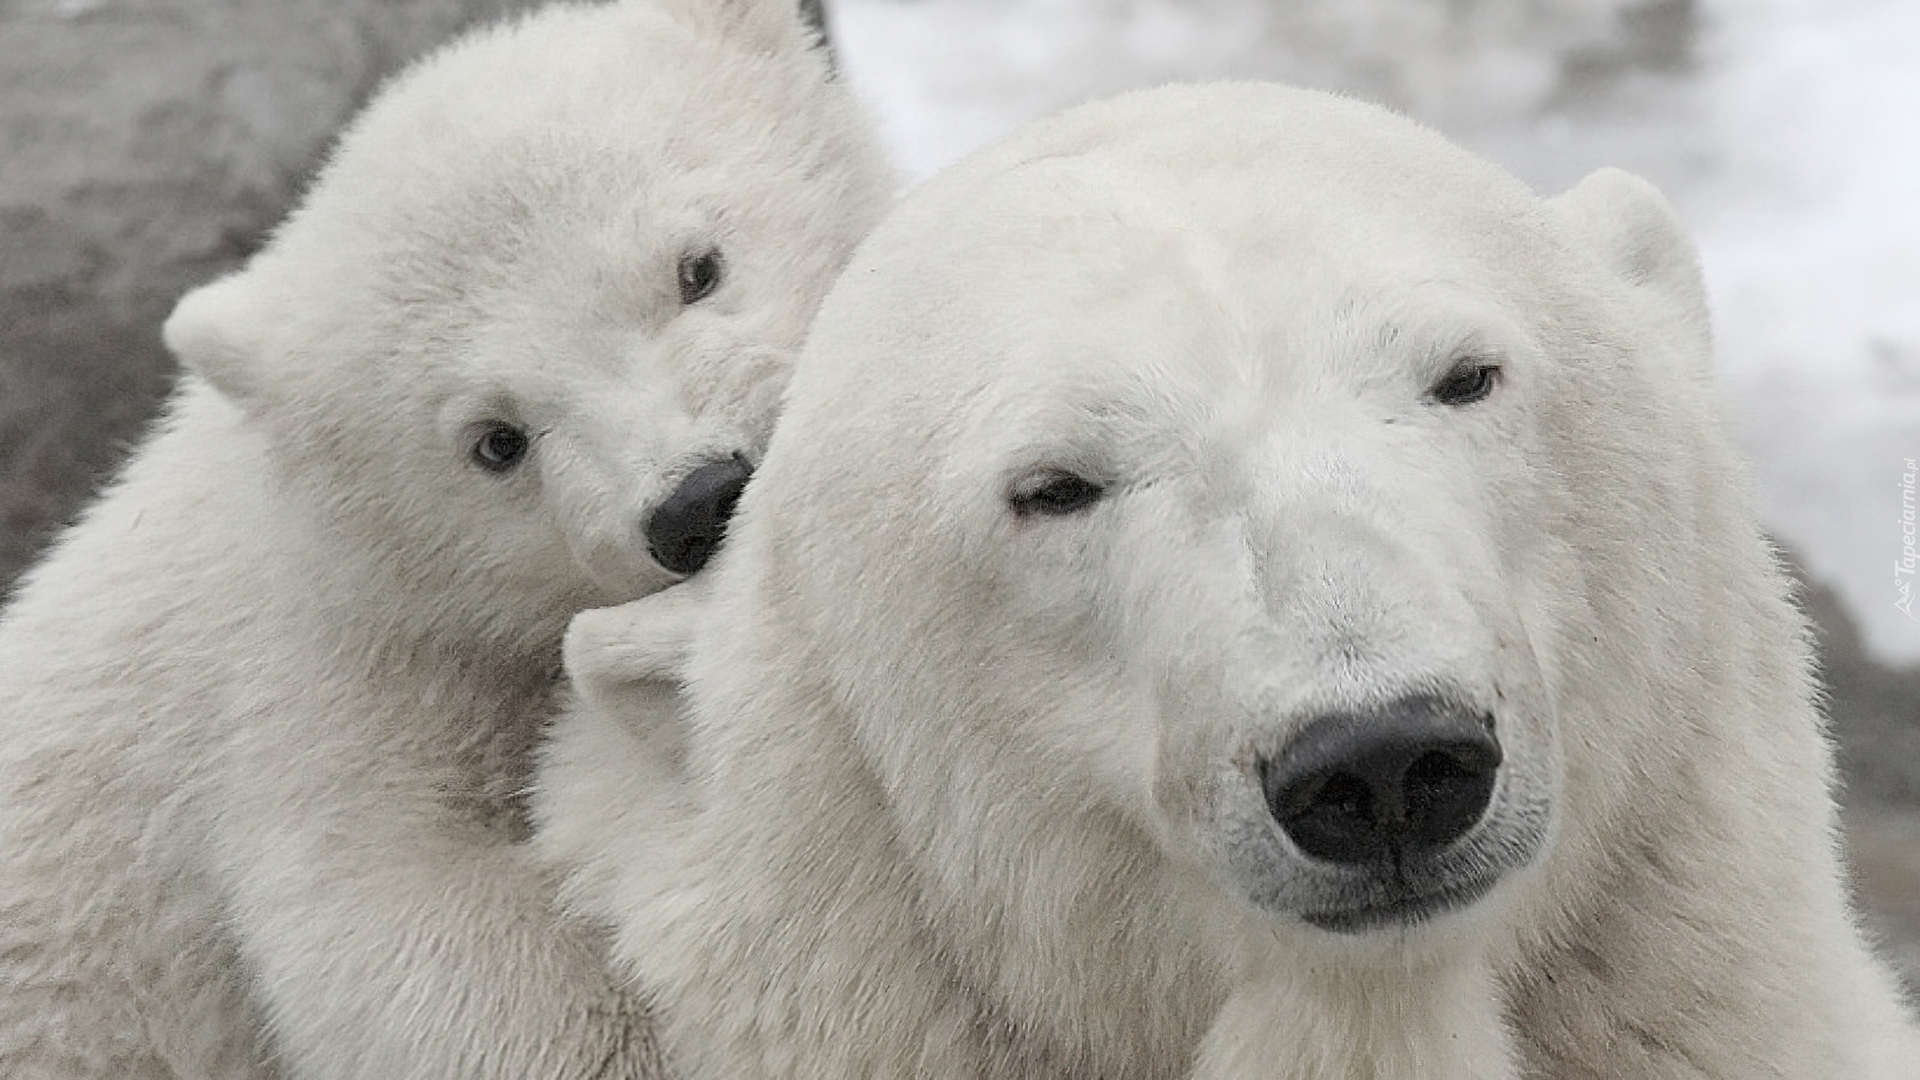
687	527
1407	779
1448	789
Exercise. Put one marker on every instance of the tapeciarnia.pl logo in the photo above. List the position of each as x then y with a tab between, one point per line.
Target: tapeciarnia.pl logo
1904	567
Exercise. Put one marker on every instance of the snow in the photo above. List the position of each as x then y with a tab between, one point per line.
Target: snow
1789	135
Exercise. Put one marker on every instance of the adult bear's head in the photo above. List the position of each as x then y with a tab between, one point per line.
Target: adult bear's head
1226	467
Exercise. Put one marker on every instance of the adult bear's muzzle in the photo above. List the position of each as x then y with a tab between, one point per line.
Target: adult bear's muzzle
1403	780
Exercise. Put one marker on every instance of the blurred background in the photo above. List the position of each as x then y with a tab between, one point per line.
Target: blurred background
148	145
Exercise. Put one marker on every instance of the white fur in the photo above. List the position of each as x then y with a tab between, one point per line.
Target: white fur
961	793
266	711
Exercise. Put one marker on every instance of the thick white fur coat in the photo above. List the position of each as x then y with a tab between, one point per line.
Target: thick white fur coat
963	788
267	710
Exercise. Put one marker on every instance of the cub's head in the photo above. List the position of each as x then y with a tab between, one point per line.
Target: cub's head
526	336
1202	467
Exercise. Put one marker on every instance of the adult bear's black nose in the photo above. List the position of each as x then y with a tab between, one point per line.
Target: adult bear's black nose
1406	779
686	528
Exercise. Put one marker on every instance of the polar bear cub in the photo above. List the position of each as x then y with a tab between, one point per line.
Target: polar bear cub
1241	588
266	712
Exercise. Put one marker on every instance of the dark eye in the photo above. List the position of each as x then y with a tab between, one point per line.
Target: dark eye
1467	383
1054	494
500	447
700	274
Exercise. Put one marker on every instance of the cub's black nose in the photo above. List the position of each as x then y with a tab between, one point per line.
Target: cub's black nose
1404	780
686	528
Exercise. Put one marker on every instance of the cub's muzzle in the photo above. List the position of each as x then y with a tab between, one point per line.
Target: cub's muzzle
686	528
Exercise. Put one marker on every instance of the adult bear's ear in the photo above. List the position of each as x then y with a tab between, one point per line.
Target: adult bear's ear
1636	232
218	331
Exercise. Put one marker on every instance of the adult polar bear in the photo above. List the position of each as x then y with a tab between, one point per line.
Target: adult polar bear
266	712
1240	588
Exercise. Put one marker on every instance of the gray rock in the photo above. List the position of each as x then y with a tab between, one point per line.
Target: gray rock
1875	711
1875	715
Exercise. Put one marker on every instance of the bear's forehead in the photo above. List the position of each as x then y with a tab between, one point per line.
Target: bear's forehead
481	163
1113	272
1220	239
1104	220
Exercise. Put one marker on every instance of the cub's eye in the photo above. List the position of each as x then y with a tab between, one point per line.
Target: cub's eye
499	447
1054	494
700	274
1467	383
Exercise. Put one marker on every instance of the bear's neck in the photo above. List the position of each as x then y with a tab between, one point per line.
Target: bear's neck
1303	1021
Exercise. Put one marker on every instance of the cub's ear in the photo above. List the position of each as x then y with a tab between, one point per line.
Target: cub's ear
814	14
766	25
1635	232
218	331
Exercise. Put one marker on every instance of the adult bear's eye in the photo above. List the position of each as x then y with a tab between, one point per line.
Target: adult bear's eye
700	274
500	447
1467	383
1055	494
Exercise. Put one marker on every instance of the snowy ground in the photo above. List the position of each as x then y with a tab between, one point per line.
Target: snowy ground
1788	131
